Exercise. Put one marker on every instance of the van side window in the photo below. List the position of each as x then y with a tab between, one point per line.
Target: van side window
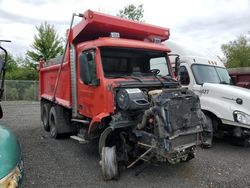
88	60
184	77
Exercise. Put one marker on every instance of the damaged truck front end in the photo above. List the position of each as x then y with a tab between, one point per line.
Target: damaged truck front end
152	126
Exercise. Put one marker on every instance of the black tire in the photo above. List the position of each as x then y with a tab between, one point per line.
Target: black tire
207	137
109	163
53	123
59	122
45	116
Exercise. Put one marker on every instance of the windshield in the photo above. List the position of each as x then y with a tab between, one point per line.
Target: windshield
122	62
210	74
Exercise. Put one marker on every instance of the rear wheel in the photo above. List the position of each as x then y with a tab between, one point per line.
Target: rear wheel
109	163
45	116
59	122
53	123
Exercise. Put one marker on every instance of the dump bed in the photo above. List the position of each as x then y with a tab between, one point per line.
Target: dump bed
95	25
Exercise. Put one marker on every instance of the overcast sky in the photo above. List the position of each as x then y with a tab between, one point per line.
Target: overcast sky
198	23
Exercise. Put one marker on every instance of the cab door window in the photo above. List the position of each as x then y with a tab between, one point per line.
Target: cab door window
184	77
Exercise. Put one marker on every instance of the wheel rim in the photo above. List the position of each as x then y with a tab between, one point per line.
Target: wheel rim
109	163
45	118
53	131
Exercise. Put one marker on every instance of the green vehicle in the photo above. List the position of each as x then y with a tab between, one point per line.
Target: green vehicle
11	164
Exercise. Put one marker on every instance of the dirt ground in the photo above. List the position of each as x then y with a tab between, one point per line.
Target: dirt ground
66	163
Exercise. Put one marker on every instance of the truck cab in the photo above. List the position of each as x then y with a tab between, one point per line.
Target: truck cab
226	106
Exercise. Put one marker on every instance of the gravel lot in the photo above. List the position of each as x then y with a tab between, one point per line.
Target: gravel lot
66	163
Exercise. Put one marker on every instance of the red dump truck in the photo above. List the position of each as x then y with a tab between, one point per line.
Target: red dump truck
240	76
108	85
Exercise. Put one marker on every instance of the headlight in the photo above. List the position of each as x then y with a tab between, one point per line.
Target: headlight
241	117
13	179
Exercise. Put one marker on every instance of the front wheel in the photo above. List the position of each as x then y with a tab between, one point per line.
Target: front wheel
109	163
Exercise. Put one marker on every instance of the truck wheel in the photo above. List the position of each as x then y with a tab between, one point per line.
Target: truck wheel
59	122
53	123
207	136
109	163
45	116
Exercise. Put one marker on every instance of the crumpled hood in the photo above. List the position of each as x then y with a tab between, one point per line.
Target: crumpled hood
10	152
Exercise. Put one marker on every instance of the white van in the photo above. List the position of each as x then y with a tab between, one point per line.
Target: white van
227	107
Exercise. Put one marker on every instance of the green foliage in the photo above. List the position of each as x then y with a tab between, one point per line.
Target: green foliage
20	69
132	12
11	62
46	44
237	52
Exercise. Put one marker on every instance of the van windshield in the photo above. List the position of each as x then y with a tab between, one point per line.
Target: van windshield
122	62
210	74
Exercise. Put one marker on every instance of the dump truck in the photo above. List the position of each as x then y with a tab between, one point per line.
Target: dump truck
225	106
108	86
240	76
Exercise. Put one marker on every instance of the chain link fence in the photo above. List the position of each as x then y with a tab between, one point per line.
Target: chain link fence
26	90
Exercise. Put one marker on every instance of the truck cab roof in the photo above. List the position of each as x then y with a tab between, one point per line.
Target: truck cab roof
193	56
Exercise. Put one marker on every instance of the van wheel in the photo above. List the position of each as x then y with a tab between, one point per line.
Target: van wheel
45	117
109	163
207	136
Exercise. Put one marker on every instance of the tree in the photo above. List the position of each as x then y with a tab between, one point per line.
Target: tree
237	52
46	44
11	63
132	12
20	69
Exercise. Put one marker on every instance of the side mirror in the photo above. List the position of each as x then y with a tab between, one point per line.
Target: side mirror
88	70
85	69
233	80
177	65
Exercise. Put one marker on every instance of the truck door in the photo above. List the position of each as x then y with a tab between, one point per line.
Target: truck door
88	93
186	80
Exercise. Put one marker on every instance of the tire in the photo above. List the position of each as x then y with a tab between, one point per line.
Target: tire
59	122
53	123
45	116
207	136
109	163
